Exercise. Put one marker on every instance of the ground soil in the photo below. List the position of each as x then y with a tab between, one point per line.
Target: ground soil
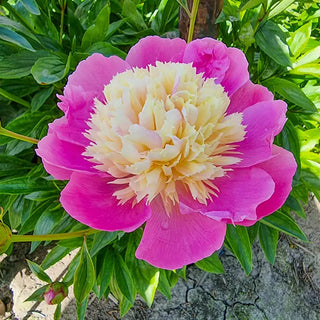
288	290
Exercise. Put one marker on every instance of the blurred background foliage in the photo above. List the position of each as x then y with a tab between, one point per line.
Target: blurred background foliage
41	43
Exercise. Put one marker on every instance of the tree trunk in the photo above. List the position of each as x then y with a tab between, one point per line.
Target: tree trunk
205	25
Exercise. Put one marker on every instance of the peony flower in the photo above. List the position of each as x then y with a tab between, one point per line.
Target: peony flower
177	137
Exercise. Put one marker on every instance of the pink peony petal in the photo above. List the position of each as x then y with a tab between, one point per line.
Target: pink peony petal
95	72
238	197
57	172
228	66
263	122
248	95
172	241
151	49
237	74
281	167
61	154
208	56
88	199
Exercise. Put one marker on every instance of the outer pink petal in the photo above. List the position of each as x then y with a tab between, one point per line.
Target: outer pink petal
59	154
172	241
151	49
209	57
239	195
237	74
57	172
248	95
95	72
89	199
281	168
263	122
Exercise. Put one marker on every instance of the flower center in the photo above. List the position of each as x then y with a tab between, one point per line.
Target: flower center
161	129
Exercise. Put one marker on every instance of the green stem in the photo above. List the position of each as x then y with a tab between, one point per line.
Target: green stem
52	237
7	133
63	7
194	12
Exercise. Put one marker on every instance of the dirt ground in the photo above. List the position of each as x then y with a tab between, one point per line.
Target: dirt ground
289	290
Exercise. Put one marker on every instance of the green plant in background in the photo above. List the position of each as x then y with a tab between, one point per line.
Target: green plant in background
41	43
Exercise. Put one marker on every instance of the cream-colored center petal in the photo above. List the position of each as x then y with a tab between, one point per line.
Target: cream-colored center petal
162	126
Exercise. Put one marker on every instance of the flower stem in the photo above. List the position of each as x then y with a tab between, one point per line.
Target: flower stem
194	12
5	132
63	7
51	237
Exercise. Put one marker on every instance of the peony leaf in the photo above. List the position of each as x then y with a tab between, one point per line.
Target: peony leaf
31	6
292	92
124	279
284	223
15	38
272	41
211	264
268	238
238	239
105	273
299	39
38	271
55	255
84	277
40	98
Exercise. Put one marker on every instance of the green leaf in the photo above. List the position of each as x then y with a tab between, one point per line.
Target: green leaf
47	221
268	238
145	276
24	185
311	177
211	264
40	98
184	5
249	4
312	69
106	272
164	285
19	64
299	39
290	91
57	313
38	271
272	41
13	166
284	223
82	308
279	7
295	205
49	70
239	242
23	124
55	255
289	140
106	49
101	240
130	11
124	279
98	31
84	277
15	38
31	6
14	98
310	56
38	294
246	35
69	276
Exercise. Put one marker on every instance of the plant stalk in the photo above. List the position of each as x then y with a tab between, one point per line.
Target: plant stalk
194	12
52	237
7	133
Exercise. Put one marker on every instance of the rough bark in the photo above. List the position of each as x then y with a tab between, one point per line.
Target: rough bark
205	25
